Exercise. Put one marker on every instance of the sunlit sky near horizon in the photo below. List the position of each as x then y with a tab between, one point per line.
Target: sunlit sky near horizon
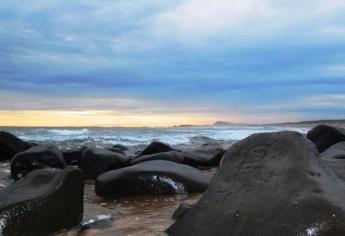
158	63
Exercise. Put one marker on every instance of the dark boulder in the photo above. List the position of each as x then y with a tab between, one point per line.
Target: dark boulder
181	210
174	156
151	178
117	150
324	136
37	157
269	184
73	156
208	155
96	161
120	146
156	147
44	202
10	145
336	151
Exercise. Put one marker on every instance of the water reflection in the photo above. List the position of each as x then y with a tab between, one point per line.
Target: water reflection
145	215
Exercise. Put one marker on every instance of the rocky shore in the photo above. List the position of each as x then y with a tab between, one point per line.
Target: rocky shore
281	183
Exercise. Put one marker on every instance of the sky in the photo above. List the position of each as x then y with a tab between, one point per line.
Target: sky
159	63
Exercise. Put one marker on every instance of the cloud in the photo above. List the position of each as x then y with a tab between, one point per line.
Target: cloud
240	22
221	57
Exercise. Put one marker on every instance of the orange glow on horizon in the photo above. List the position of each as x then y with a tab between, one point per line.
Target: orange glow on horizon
47	118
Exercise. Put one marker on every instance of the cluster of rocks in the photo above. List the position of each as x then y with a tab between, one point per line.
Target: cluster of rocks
267	184
282	183
48	183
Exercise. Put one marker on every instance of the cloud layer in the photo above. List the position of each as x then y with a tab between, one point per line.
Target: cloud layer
255	59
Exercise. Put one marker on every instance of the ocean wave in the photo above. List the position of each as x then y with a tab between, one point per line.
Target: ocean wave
68	132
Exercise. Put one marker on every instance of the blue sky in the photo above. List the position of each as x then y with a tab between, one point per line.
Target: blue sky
250	60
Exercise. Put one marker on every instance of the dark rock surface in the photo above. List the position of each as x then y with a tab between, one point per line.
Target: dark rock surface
96	161
174	156
120	146
117	150
155	147
73	156
208	155
10	145
37	157
151	178
336	151
43	202
181	210
324	136
269	184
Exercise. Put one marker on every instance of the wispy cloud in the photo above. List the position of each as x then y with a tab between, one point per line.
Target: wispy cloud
228	58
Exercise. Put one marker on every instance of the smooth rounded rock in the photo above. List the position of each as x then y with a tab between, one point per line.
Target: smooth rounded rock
336	151
10	145
43	202
174	156
37	157
156	147
207	155
269	184
73	156
96	161
324	136
151	178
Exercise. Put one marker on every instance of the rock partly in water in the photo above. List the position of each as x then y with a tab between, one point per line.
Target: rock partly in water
208	155
174	156
155	147
151	178
324	136
117	150
37	157
96	161
45	201
336	151
181	210
269	184
10	145
121	147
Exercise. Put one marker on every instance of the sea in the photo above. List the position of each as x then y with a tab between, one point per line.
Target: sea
76	137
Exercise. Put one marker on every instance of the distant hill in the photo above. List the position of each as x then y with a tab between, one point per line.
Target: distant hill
308	123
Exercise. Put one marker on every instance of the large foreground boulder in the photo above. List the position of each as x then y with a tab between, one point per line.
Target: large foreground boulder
96	161
45	201
37	157
151	178
10	145
337	151
181	210
269	184
324	136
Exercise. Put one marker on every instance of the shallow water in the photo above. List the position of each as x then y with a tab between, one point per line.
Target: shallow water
145	215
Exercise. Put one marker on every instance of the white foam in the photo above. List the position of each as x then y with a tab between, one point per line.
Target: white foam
69	131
